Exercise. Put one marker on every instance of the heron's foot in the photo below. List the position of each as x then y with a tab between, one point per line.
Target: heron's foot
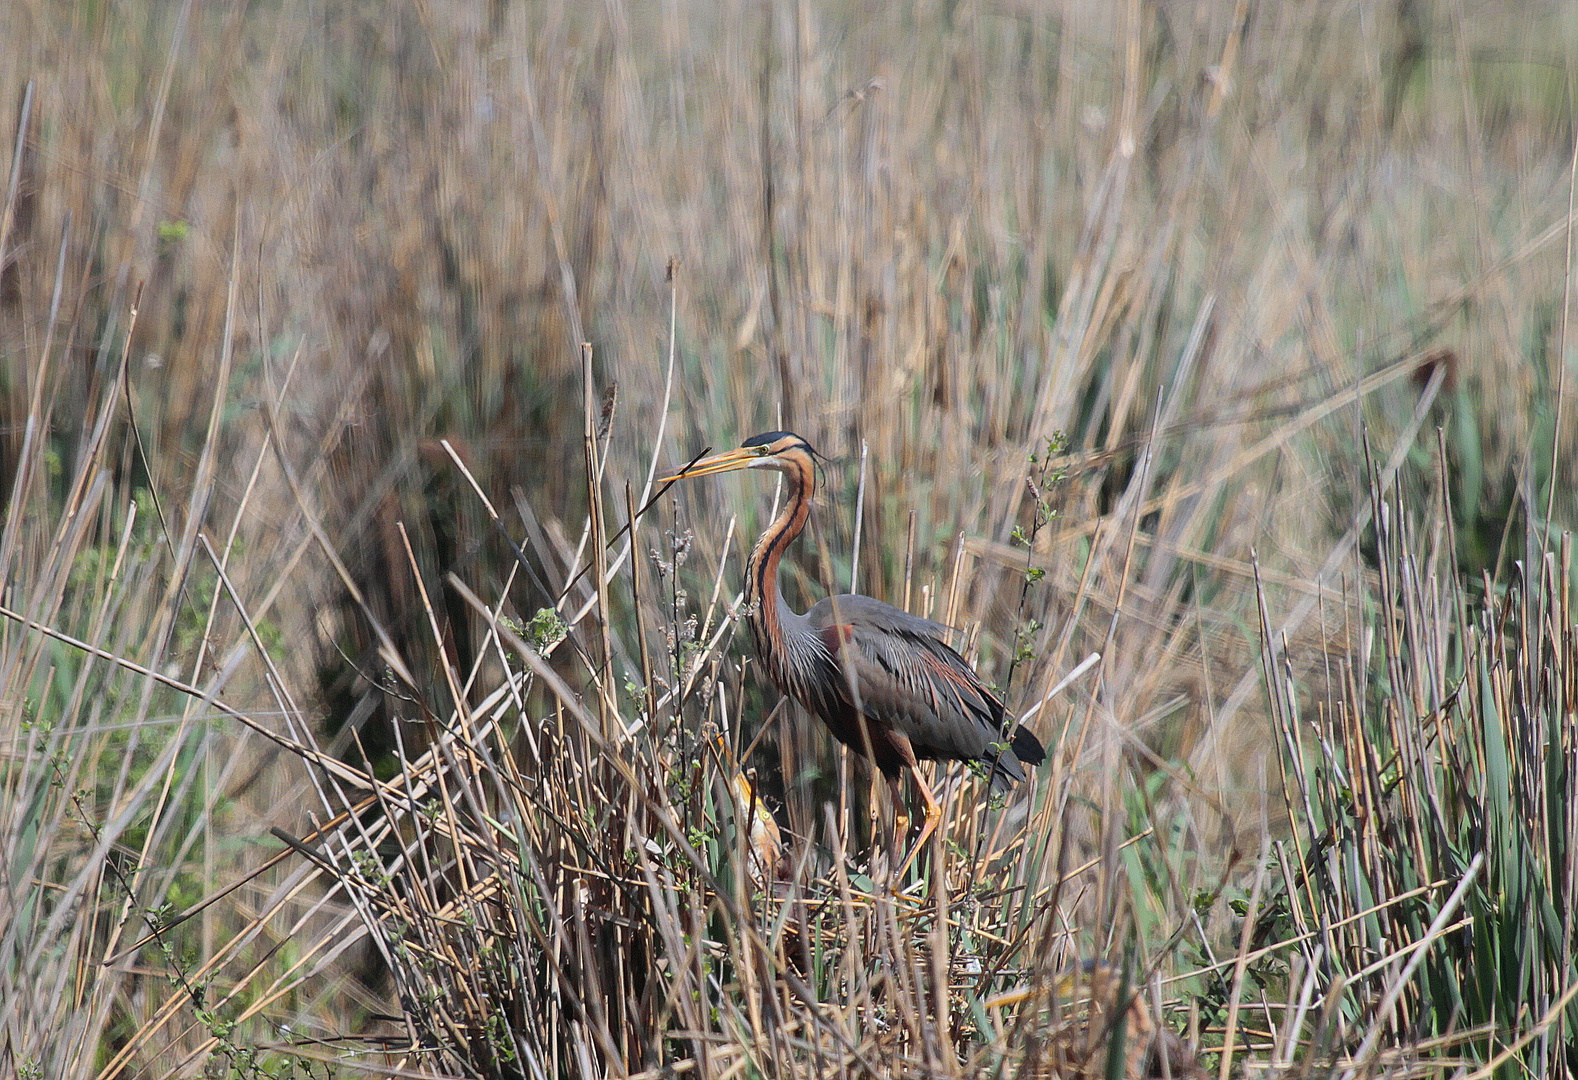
933	815
892	886
885	883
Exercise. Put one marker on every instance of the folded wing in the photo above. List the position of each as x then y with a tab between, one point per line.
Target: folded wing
906	677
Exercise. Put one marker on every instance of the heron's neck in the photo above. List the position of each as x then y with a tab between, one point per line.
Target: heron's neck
770	618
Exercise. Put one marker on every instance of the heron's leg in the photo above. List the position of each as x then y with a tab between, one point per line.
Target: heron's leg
901	820
874	805
933	816
906	755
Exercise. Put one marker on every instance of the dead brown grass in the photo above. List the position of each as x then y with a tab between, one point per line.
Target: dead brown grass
1211	242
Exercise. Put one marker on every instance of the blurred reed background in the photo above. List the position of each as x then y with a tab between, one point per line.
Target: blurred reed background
1169	331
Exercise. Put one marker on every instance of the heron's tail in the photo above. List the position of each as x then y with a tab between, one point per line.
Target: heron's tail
1027	748
1023	749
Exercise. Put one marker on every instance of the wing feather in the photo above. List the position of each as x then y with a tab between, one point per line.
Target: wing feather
908	678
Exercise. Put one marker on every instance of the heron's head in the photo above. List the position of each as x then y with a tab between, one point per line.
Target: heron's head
781	450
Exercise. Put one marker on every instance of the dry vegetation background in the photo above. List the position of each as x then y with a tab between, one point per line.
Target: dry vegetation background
1292	278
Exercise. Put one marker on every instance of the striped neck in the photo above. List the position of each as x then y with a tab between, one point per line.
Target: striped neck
766	611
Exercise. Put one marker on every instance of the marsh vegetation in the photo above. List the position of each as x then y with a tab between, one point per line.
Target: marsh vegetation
359	715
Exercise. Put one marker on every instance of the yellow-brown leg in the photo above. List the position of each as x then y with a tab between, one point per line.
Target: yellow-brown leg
933	816
901	820
874	808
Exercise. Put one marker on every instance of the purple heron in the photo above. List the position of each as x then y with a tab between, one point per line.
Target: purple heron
885	682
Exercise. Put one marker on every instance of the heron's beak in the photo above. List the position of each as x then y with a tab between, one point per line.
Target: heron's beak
742	458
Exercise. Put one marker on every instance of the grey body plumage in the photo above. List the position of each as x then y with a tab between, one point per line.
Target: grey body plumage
901	673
